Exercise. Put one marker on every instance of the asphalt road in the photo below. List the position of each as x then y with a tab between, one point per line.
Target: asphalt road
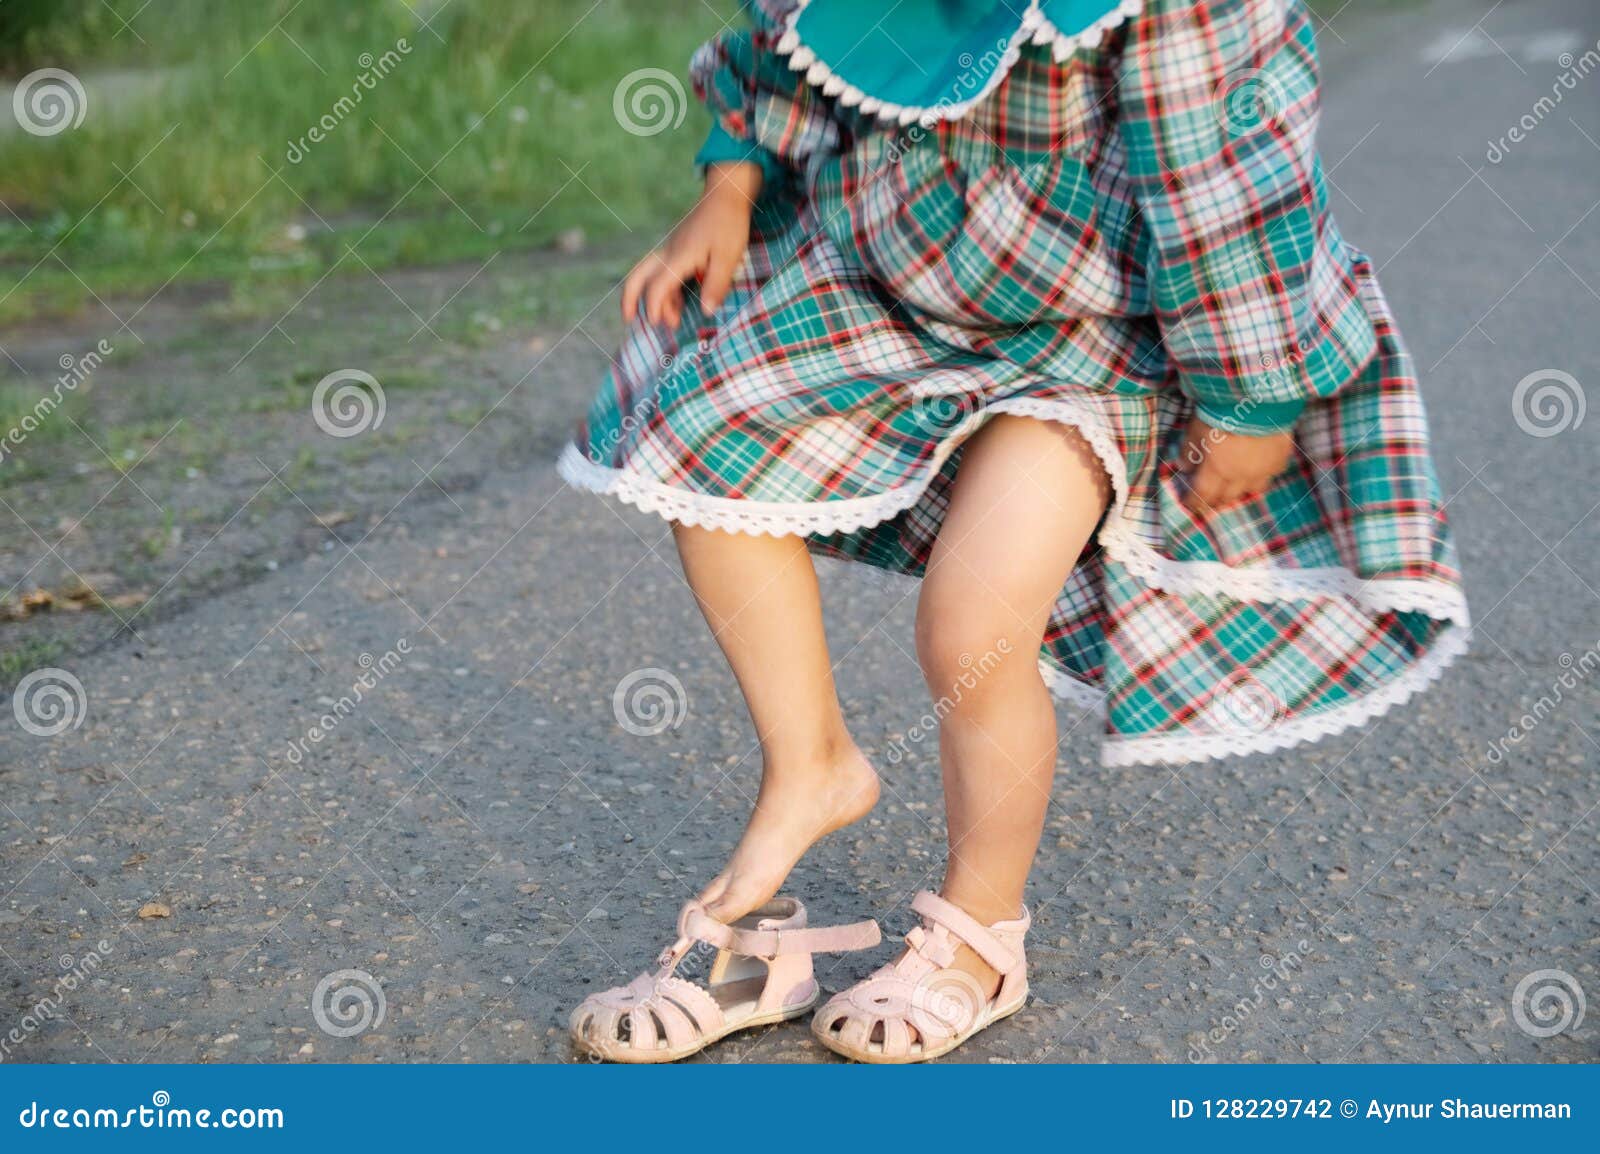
484	843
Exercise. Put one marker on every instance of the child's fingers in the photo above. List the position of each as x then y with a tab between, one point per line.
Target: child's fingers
664	293
1214	491
633	285
664	298
718	281
1207	488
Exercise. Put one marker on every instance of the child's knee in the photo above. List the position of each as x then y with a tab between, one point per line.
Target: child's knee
965	656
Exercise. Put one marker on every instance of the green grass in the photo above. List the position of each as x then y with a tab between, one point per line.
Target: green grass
493	130
18	660
19	411
496	133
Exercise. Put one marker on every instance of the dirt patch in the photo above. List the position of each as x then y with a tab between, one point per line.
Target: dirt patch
171	450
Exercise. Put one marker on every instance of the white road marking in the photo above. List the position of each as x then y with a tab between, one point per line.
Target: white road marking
1459	45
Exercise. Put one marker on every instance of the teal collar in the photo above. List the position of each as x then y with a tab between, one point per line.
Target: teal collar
929	60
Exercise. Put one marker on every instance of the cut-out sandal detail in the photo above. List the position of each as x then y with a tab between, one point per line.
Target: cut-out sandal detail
919	1007
761	974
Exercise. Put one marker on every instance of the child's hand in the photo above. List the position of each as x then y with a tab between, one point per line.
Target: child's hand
1221	467
708	244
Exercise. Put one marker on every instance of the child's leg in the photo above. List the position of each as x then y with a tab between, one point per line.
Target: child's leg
1025	502
759	595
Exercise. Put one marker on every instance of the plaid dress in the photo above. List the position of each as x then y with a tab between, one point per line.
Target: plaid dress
1113	240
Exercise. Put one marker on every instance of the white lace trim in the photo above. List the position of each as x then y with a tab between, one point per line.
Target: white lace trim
1180	749
1121	544
1117	537
1071	690
1214	579
1122	752
1034	29
731	515
1125	752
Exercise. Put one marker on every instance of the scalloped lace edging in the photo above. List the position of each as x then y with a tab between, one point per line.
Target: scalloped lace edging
731	515
1034	29
1134	751
1214	579
799	518
1181	749
1117	537
826	518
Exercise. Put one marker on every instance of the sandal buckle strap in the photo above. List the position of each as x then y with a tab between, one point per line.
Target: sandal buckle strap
812	940
967	928
775	943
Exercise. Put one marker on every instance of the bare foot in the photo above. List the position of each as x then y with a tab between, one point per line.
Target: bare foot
793	811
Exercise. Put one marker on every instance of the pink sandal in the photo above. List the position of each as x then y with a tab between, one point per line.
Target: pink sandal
761	975
917	1007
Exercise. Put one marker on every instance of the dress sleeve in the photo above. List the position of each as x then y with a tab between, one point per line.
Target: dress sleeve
1253	286
723	147
761	110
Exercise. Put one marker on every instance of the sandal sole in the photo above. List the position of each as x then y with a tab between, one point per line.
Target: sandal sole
880	1059
630	1056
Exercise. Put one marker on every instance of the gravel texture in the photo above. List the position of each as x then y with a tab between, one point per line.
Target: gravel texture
483	841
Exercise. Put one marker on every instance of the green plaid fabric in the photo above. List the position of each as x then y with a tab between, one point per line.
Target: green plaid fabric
1048	256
